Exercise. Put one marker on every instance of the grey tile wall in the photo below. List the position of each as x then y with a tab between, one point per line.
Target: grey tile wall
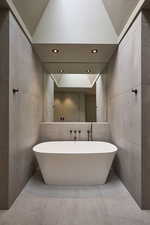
146	108
101	99
20	114
124	109
26	74
61	131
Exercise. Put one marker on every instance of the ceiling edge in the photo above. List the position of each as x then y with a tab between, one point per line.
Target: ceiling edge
131	19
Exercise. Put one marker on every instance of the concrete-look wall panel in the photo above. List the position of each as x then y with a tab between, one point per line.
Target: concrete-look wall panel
124	108
60	131
26	108
48	105
127	58
145	47
4	107
101	99
145	109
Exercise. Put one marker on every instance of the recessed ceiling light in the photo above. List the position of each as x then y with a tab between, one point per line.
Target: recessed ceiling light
55	50
88	71
94	51
60	71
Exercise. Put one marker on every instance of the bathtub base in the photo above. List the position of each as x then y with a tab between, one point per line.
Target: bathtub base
75	169
75	163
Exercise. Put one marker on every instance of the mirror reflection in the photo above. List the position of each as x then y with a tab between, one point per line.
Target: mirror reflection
75	104
75	98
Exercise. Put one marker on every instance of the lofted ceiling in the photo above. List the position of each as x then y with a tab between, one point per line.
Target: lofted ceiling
75	27
3	4
75	21
30	11
119	12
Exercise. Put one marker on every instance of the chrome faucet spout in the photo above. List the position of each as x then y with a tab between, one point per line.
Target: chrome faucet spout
75	135
91	131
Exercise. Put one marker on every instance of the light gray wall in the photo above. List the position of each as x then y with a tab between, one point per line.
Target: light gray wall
59	131
26	109
146	108
20	114
101	99
4	107
48	105
124	109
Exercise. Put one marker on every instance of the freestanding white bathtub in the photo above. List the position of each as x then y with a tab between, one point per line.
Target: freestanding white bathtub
75	163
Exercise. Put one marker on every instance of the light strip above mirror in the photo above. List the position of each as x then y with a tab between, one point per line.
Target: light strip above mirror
75	80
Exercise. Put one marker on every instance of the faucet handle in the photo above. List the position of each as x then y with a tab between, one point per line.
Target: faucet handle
75	131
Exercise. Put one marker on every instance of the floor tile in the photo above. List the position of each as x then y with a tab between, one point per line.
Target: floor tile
40	204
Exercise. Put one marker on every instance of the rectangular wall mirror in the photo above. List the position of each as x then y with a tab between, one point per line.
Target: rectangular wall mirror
75	98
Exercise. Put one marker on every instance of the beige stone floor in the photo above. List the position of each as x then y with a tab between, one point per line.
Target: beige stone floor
108	204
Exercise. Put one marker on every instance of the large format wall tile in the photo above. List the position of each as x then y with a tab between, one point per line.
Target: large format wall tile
20	113
125	66
146	109
61	131
124	108
145	47
26	74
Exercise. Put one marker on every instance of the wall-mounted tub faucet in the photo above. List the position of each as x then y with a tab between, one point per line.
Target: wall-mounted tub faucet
91	132
88	132
75	135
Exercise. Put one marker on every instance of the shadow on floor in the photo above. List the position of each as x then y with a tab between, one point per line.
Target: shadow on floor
36	186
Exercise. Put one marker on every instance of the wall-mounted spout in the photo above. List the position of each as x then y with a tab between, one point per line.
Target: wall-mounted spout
91	132
75	135
88	132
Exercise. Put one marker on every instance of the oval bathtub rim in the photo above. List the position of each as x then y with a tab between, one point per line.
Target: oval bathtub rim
114	148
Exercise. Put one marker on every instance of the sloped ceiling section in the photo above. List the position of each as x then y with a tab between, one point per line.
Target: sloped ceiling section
30	11
119	12
75	21
3	4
